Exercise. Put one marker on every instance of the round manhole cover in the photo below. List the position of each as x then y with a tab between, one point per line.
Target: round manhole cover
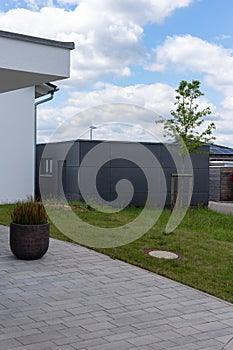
162	254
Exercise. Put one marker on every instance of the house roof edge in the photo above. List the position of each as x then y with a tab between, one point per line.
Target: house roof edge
34	39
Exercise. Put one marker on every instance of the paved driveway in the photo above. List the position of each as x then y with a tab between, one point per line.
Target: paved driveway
75	298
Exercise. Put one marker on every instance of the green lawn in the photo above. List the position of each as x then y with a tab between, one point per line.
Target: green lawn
204	238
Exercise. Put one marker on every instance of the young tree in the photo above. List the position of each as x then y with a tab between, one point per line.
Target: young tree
186	125
187	129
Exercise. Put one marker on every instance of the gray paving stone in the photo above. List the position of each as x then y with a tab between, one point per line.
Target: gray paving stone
63	347
215	348
187	330
185	339
86	344
190	346
143	340
209	343
64	341
228	321
74	298
118	345
225	338
210	326
224	315
171	335
14	334
154	329
36	338
57	327
9	344
214	334
15	321
97	334
37	346
146	347
197	314
120	336
98	326
123	329
161	345
44	316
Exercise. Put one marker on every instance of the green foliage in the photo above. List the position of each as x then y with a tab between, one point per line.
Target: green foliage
188	120
29	212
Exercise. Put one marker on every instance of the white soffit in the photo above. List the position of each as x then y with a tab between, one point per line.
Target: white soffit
28	61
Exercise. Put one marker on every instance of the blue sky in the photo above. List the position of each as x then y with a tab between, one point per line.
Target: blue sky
131	52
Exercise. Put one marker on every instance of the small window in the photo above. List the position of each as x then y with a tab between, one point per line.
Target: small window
46	166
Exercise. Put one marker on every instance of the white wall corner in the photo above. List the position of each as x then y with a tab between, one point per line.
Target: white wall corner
17	144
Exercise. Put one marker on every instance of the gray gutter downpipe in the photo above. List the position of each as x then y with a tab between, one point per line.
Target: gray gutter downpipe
36	104
46	99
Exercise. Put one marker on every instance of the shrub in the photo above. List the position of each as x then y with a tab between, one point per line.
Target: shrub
29	212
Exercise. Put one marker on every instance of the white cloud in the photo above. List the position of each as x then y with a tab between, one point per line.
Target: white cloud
224	37
128	125
224	128
138	105
68	2
188	53
34	4
156	97
103	46
109	41
140	11
107	33
191	53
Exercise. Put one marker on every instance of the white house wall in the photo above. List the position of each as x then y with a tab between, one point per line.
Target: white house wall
17	136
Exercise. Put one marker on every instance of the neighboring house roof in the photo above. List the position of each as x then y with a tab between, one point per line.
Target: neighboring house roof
218	150
22	37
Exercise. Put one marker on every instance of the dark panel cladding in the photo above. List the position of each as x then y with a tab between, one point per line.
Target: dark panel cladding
67	157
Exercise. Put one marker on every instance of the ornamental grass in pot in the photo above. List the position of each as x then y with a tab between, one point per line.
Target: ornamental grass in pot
29	230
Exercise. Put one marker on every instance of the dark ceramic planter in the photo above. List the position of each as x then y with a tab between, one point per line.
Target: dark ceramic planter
29	242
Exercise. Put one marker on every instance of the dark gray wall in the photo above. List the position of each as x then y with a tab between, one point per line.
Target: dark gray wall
215	184
66	167
221	184
226	184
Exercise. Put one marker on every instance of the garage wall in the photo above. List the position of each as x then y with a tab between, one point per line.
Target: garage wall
116	169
